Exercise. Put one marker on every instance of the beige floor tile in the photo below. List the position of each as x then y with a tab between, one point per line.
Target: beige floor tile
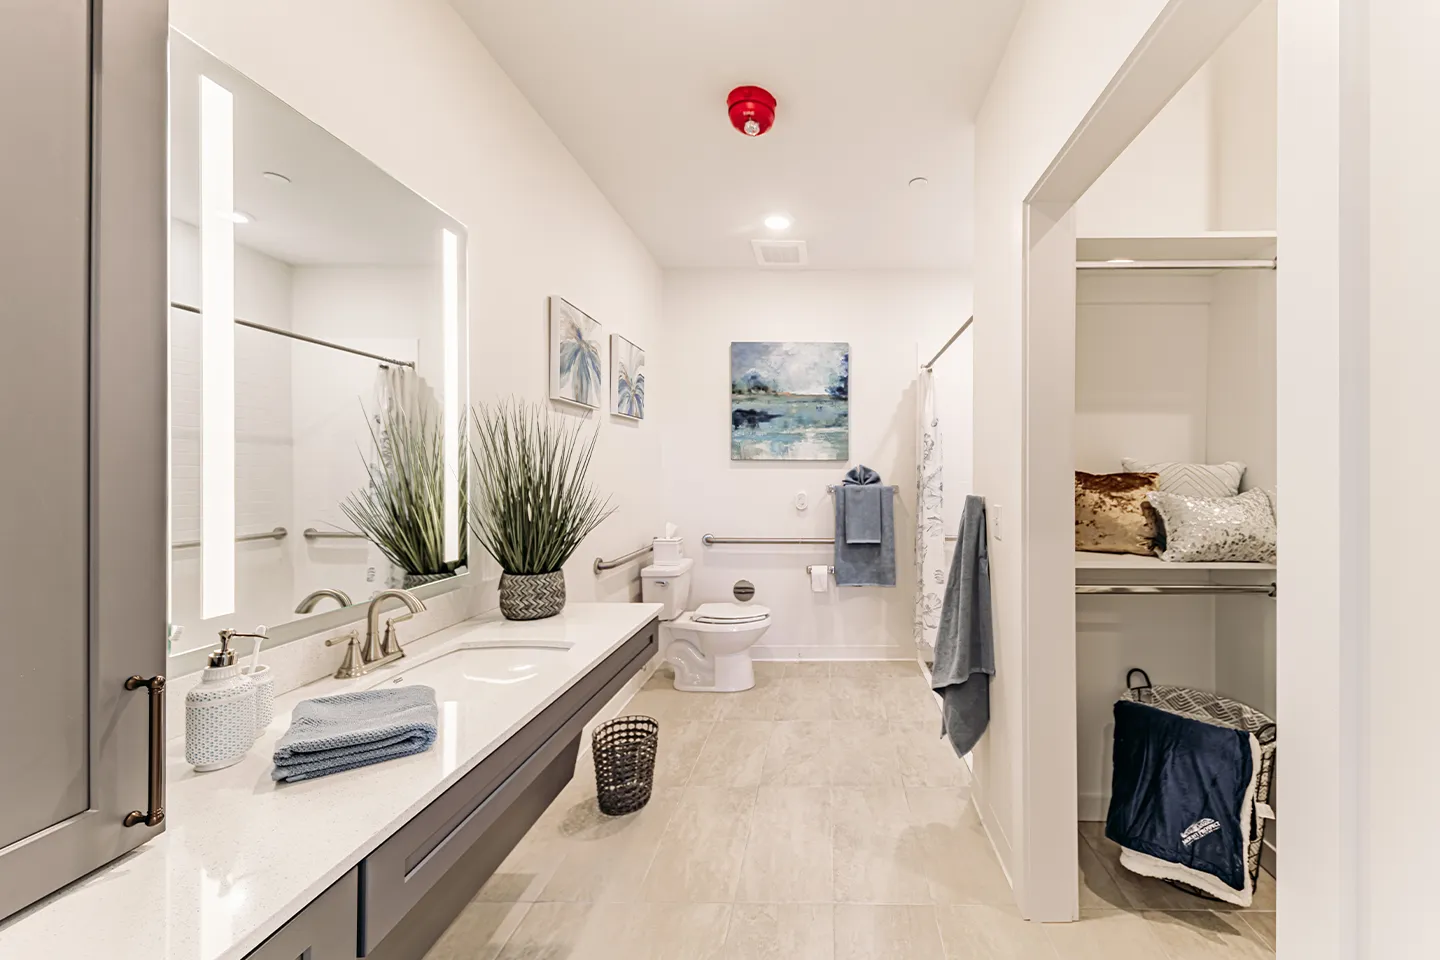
733	755
908	698
789	856
1105	935
1098	889
525	872
807	670
774	669
667	931
480	932
856	698
783	931
1141	893
991	933
886	932
798	754
760	702
1264	925
803	699
926	758
671	704
960	862
874	668
863	754
703	846
879	851
662	679
605	859
679	748
1203	935
553	930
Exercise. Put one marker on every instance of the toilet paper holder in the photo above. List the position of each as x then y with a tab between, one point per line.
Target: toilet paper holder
811	568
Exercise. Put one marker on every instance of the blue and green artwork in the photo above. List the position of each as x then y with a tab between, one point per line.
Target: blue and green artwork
789	401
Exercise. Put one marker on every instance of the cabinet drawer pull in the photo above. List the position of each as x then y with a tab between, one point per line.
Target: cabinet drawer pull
156	686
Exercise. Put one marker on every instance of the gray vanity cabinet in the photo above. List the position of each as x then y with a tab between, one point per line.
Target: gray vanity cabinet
325	930
82	427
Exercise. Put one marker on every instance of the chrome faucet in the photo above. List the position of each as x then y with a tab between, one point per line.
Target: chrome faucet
313	599
377	651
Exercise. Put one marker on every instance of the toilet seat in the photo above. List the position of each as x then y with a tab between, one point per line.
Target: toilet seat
730	613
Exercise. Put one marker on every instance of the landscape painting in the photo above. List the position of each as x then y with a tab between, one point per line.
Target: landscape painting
627	376
789	401
575	366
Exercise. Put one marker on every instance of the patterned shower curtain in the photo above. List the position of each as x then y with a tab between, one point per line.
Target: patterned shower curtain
930	559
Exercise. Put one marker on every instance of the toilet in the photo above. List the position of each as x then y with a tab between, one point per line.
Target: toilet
709	647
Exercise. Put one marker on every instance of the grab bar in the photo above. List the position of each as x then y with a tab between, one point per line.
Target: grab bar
1174	589
312	534
279	533
603	565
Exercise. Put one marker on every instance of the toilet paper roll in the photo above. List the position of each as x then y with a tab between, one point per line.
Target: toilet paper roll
819	578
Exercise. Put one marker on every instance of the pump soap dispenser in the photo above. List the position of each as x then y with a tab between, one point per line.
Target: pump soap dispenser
220	711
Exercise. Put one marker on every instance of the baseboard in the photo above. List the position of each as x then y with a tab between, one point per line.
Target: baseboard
998	841
801	652
1269	857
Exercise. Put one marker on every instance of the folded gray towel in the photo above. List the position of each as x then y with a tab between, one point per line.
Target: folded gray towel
864	520
349	730
965	644
865	564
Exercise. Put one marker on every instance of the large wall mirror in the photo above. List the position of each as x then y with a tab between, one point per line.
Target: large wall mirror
318	379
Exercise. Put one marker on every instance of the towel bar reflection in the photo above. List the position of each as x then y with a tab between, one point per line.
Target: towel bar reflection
1176	589
279	533
711	540
602	565
311	533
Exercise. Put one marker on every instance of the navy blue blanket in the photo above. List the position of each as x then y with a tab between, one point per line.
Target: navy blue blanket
1178	789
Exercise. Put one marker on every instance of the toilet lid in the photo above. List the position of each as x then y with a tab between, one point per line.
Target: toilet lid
730	613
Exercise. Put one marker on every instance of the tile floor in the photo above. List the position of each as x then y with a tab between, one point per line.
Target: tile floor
815	817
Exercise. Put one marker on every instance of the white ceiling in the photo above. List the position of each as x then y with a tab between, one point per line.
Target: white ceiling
338	208
870	95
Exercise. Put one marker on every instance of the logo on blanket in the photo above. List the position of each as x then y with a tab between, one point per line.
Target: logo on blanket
1198	829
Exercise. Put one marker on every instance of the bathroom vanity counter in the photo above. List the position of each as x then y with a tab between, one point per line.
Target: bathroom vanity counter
242	855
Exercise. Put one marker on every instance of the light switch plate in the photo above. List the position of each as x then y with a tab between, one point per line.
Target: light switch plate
995	513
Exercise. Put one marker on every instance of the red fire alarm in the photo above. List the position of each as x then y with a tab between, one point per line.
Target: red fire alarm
752	110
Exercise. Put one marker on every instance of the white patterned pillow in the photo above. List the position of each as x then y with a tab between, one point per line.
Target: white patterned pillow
1193	479
1216	529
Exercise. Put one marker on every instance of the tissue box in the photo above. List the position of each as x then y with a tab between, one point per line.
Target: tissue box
667	550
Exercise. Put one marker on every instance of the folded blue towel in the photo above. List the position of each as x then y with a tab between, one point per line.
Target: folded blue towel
864	515
349	730
865	563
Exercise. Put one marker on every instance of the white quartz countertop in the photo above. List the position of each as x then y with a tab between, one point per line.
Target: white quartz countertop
241	854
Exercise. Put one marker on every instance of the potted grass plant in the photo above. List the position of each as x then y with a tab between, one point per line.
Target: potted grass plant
402	509
532	503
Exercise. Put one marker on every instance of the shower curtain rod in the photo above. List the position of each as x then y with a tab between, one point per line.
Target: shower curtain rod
300	336
953	337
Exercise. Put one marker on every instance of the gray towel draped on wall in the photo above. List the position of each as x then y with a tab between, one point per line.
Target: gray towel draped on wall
965	646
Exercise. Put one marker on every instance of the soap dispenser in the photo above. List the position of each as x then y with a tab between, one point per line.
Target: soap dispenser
220	711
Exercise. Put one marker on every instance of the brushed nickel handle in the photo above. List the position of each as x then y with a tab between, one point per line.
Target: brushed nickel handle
156	686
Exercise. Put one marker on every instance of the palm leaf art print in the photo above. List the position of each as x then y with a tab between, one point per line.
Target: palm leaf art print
628	363
575	362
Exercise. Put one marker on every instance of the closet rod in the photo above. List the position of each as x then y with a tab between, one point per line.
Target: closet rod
300	336
1175	265
953	337
1176	589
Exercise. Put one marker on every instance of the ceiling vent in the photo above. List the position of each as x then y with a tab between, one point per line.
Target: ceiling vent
780	253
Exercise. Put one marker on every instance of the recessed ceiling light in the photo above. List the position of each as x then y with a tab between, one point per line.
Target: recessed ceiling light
240	216
277	177
777	221
919	181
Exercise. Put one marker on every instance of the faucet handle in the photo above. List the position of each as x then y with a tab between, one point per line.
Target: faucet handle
391	641
353	665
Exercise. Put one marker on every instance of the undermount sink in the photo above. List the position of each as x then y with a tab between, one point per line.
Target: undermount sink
475	669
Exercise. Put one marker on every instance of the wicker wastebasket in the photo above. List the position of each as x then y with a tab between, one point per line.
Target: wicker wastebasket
624	751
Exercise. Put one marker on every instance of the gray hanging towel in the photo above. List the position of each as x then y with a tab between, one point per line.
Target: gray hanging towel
864	520
965	646
865	562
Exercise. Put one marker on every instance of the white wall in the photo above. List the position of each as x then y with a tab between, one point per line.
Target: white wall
264	443
1060	57
1242	75
889	319
406	83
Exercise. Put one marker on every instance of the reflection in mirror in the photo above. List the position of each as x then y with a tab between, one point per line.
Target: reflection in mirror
317	366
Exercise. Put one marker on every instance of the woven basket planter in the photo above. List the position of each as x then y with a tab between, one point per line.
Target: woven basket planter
413	580
532	596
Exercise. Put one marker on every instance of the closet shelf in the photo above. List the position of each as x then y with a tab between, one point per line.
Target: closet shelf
1218	245
1128	561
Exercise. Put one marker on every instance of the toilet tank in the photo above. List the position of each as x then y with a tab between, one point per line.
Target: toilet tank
667	584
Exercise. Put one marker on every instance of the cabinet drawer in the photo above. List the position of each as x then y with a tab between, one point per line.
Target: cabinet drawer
325	930
405	867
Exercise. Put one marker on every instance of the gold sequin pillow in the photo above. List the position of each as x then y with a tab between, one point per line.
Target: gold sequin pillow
1112	513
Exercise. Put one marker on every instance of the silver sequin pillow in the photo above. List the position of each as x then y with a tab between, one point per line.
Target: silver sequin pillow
1216	529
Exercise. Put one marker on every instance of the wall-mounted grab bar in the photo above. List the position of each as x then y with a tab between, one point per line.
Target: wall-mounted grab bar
311	533
1175	589
710	540
279	533
603	565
